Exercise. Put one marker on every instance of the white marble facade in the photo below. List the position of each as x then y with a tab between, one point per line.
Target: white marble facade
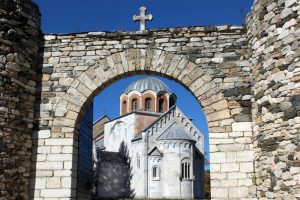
166	156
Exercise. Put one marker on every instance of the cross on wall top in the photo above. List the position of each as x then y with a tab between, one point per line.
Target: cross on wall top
142	18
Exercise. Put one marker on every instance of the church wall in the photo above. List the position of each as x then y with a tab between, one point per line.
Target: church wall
98	127
117	131
143	121
155	185
139	175
274	36
173	154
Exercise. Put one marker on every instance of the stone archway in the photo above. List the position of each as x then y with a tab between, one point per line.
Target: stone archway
231	153
37	150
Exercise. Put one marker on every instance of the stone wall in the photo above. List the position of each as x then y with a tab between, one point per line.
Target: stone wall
274	35
19	45
211	62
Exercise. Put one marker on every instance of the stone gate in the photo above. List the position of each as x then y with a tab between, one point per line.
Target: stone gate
246	79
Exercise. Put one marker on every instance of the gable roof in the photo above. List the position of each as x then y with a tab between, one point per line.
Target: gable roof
155	152
175	132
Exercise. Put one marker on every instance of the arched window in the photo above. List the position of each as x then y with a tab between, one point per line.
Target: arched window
185	169
155	173
134	104
161	105
148	104
124	107
138	162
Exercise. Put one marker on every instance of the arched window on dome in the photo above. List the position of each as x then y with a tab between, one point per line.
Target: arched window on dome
161	105
148	104
134	104
124	106
185	169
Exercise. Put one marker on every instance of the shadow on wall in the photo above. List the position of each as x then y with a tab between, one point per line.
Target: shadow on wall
113	175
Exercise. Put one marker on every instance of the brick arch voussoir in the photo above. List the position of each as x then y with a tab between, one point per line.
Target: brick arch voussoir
139	61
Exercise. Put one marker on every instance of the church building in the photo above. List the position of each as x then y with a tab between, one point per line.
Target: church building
152	150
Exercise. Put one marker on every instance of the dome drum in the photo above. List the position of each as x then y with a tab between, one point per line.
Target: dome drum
147	94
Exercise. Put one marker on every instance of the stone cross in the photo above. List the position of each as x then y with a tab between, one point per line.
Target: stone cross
142	18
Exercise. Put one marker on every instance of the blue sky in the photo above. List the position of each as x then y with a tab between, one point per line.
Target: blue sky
68	16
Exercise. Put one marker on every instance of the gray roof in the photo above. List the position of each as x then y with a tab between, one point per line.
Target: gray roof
149	83
175	132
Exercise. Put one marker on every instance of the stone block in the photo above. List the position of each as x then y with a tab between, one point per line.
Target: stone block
44	173
231	147
223	114
215	167
49	165
62	173
69	165
218	157
43	134
215	183
66	182
67	149
229	183
40	182
238	192
245	182
59	141
53	182
245	156
230	157
237	175
221	141
218	176
230	167
43	149
60	111
241	127
60	157
56	193
246	167
56	149
218	135
220	192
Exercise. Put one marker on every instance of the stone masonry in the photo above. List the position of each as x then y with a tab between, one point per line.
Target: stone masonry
274	35
245	78
19	46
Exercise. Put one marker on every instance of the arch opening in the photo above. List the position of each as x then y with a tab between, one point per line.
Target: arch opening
137	159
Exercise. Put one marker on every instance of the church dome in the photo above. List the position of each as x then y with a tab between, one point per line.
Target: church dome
148	83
